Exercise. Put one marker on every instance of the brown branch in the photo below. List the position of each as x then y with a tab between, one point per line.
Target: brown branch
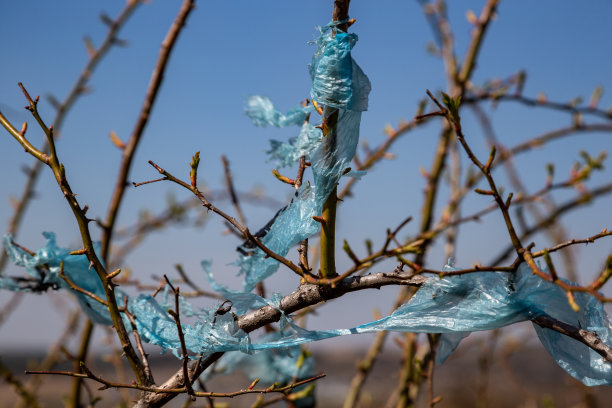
79	289
457	86
503	156
230	188
242	229
176	315
83	223
62	109
175	391
522	252
561	209
570	242
143	118
306	295
524	100
144	357
588	338
20	137
175	212
556	232
471	56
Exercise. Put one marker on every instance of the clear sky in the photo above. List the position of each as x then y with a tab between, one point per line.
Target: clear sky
232	49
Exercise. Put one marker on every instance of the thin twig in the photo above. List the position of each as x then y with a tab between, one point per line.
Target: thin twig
566	107
176	391
83	223
143	118
232	192
242	229
588	338
144	357
176	315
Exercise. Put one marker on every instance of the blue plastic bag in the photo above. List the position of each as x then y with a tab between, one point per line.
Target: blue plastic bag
337	82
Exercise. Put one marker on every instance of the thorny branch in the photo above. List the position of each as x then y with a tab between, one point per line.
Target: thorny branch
176	391
59	172
523	253
176	315
239	227
79	88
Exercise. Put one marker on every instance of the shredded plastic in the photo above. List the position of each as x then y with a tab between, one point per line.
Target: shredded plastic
262	112
269	366
287	153
459	305
43	269
338	82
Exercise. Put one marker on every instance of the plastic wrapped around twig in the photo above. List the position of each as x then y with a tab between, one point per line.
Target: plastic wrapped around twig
295	222
337	80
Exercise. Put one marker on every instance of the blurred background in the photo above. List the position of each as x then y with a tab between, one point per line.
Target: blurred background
231	50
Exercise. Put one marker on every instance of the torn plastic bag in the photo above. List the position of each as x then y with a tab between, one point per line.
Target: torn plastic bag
337	82
44	270
210	332
269	366
287	153
262	112
295	222
458	305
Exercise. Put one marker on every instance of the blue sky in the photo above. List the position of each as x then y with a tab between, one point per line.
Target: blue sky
230	50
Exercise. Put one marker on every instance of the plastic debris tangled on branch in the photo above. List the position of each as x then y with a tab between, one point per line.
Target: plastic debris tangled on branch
454	306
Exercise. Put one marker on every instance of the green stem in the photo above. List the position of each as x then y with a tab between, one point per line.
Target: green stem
328	236
328	226
330	123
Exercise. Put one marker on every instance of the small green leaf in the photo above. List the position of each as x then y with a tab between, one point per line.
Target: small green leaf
193	174
452	104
